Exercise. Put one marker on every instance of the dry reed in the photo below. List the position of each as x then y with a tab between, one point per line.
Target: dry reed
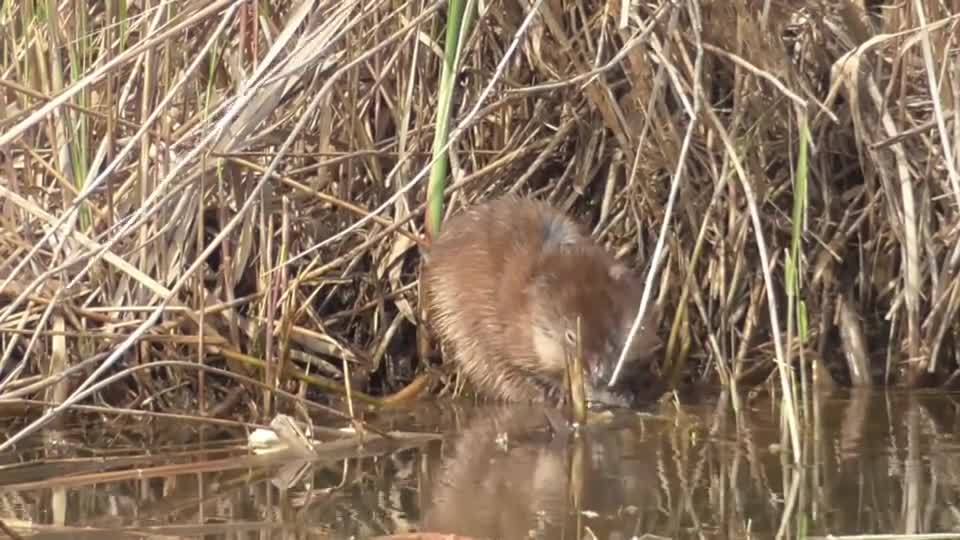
241	184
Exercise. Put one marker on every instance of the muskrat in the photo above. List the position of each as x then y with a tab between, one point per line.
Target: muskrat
505	282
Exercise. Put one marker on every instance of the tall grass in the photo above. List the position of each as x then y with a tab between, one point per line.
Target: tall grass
172	191
459	18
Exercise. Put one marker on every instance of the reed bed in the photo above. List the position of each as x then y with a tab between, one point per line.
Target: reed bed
207	203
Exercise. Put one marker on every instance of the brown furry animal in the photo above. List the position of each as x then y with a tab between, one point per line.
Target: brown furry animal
505	282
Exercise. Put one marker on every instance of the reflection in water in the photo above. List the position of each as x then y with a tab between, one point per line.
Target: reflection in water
872	463
506	476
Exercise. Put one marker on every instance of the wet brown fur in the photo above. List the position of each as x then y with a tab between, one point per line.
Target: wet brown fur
502	269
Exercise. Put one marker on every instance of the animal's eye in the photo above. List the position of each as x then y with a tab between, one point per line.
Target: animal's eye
571	336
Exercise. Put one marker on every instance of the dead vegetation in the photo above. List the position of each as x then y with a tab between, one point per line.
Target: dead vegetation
239	185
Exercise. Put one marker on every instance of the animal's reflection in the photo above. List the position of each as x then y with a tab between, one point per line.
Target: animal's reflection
508	474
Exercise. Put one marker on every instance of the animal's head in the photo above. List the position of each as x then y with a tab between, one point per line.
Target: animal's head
583	282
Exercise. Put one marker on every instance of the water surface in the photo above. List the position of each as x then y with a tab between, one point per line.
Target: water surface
872	462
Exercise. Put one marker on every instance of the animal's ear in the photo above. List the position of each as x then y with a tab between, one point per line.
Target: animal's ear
647	338
651	316
618	271
653	313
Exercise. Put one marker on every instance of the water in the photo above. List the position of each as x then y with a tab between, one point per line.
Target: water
872	463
